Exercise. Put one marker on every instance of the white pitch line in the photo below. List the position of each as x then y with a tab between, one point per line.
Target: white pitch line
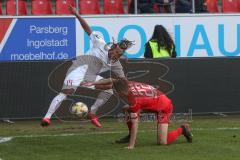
5	139
67	134
212	129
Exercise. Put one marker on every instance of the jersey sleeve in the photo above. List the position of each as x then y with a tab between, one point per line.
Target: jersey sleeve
97	40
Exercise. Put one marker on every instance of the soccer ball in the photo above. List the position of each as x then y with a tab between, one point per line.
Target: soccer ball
80	109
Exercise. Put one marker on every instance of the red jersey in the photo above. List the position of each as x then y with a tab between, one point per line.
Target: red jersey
145	97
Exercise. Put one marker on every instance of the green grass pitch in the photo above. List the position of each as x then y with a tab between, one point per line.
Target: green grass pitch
215	138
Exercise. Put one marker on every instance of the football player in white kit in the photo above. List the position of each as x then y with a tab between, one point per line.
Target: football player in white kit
85	70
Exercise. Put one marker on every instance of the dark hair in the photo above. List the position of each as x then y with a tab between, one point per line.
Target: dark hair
124	44
120	85
163	38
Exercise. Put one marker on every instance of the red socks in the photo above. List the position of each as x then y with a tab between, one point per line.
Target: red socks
173	135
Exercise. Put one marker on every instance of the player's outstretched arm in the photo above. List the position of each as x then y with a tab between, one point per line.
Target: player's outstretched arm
104	84
103	87
83	23
104	81
133	133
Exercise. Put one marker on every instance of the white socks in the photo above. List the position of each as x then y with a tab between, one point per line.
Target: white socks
56	102
102	98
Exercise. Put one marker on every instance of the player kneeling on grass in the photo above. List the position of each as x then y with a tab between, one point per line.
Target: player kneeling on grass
142	96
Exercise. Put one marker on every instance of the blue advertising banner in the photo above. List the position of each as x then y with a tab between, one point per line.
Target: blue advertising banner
36	39
195	35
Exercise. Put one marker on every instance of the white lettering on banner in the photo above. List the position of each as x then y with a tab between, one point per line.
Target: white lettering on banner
44	42
39	56
47	43
48	29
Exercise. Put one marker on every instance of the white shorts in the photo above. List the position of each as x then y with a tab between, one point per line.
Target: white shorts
76	77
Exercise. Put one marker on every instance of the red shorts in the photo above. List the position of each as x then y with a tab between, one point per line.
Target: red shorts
161	105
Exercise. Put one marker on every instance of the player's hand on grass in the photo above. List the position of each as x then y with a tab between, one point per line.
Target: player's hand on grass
129	147
72	9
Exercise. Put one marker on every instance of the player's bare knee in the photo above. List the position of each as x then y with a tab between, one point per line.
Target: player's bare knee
134	117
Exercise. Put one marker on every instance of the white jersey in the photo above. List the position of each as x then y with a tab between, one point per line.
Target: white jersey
99	48
88	67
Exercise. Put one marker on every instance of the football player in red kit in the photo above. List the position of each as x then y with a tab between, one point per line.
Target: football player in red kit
140	96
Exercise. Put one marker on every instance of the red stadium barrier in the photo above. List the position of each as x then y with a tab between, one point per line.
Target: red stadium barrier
212	6
41	7
129	4
0	8
113	7
89	7
230	6
62	6
11	7
239	5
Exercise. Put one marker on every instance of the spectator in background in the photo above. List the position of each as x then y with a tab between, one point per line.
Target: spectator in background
143	6
183	6
160	45
200	7
164	6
